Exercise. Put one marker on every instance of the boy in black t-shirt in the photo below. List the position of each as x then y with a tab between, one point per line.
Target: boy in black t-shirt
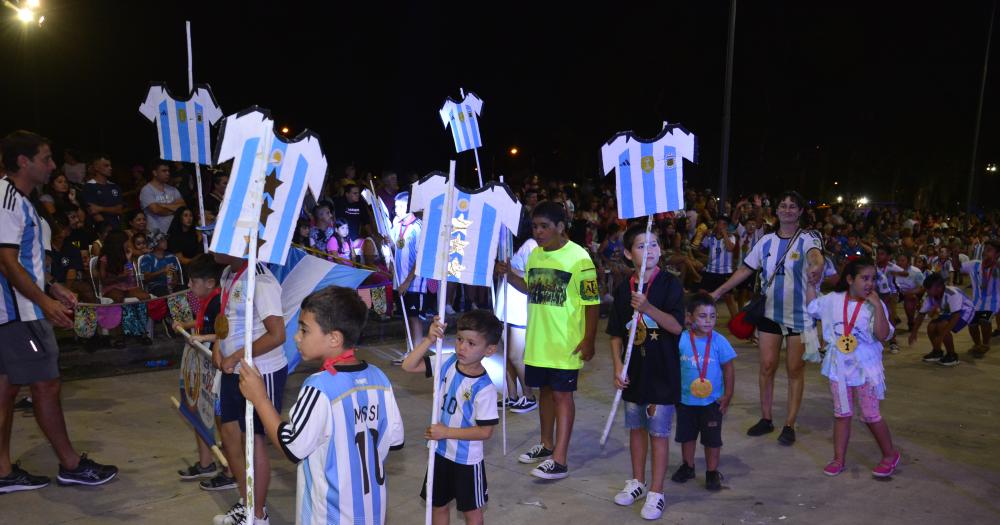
652	385
203	274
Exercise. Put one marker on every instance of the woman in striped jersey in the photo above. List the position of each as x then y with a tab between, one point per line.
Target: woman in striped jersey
801	258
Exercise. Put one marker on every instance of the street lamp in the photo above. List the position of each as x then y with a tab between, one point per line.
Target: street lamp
25	15
514	151
991	168
840	199
284	130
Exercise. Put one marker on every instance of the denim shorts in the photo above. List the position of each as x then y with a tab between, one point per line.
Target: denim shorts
637	416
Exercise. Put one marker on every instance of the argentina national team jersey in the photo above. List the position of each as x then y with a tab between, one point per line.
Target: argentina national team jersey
466	402
720	257
884	280
340	431
953	301
463	117
985	292
183	127
786	296
650	172
22	229
475	226
290	167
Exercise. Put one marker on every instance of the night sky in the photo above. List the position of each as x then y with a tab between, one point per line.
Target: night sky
881	100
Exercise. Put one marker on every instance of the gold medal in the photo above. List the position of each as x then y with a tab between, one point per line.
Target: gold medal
701	388
846	344
640	331
401	243
221	326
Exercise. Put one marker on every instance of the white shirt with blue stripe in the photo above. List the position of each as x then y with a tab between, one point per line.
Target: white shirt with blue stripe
953	301
885	281
985	293
786	297
650	172
264	160
340	431
466	402
406	230
183	127
475	223
720	257
22	229
463	118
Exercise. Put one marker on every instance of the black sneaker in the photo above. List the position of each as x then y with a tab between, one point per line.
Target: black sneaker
764	426
19	480
549	469
197	471
949	360
24	404
220	482
713	480
787	436
511	402
934	356
88	472
535	454
683	473
524	405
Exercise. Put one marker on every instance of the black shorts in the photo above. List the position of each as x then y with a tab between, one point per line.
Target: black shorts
704	420
233	405
413	302
556	378
770	327
466	484
29	352
982	317
711	281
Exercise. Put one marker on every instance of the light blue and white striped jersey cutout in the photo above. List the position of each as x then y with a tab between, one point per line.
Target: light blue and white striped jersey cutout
21	227
463	117
299	165
786	298
720	257
476	223
183	127
466	402
985	295
342	427
650	173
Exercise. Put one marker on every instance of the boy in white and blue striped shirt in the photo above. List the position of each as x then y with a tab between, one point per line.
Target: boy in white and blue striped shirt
468	413
985	295
721	247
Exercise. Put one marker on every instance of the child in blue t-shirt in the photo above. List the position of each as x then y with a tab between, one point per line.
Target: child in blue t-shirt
707	378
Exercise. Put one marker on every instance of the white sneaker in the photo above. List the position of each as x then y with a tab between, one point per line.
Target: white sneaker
653	508
237	511
266	520
634	489
524	405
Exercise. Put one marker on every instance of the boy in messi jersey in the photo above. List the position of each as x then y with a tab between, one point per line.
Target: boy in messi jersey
343	423
468	414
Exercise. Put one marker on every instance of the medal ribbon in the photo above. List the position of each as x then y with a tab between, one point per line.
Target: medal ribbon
199	323
402	231
849	326
225	293
328	364
703	369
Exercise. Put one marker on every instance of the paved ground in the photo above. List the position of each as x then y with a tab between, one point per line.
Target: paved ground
944	421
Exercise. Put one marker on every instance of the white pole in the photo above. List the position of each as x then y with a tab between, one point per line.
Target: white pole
197	166
445	234
255	202
508	245
631	336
